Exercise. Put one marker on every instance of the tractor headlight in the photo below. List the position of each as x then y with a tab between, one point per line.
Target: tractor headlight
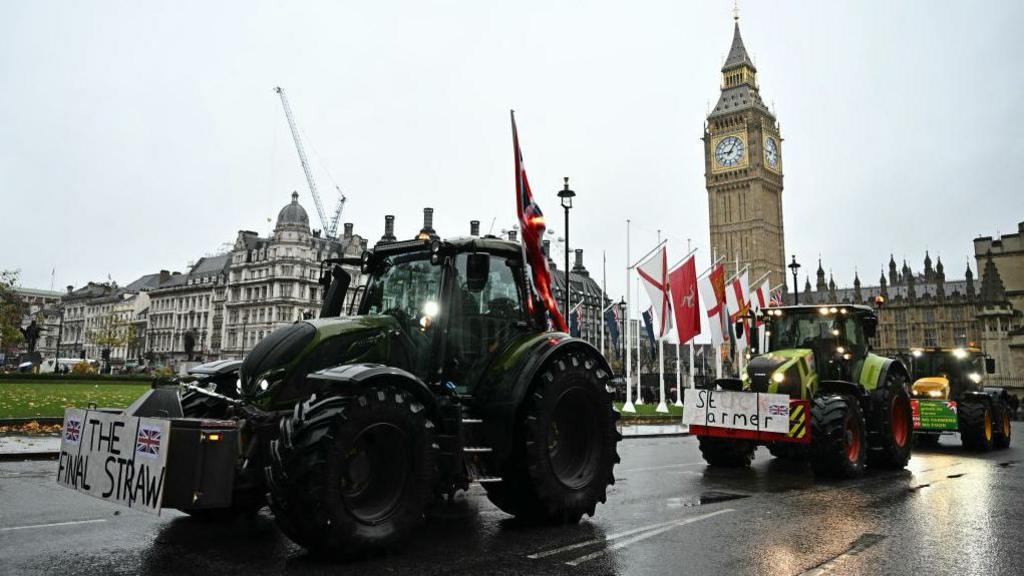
238	385
778	377
935	393
975	377
264	384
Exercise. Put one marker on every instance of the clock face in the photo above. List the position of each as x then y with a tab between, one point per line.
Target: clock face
729	151
771	152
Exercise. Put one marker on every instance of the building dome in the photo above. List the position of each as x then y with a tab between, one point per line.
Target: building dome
293	215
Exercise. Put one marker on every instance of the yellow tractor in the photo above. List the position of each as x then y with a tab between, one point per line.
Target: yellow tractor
949	396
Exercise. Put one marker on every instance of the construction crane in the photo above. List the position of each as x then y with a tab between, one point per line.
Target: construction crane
330	225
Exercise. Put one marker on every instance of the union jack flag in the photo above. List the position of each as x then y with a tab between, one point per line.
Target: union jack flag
73	431
148	441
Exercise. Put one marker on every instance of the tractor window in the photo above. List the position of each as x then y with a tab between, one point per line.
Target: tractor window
482	320
404	286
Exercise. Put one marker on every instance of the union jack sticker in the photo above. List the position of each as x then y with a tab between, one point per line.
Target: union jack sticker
147	443
73	431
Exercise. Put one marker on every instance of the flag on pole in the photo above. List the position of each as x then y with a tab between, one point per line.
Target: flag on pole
654	273
611	318
576	320
760	300
649	325
776	299
531	222
683	287
712	292
737	301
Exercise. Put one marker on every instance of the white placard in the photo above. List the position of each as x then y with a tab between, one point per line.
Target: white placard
737	410
117	458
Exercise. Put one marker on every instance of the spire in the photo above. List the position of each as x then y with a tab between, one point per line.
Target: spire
882	288
992	289
857	296
893	276
929	274
820	285
738	56
969	276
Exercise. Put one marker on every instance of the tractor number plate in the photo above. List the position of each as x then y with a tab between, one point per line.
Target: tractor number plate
934	414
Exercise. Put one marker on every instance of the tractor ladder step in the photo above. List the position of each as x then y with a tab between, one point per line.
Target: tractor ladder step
472	421
488	479
477	450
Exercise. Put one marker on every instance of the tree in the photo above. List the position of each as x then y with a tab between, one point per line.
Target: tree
12	311
110	335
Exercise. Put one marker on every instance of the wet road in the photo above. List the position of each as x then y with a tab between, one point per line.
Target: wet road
950	512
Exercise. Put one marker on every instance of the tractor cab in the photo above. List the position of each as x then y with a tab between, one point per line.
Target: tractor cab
946	373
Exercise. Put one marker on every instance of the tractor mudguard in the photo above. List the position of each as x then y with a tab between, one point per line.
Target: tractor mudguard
889	367
842	387
355	377
730	384
511	377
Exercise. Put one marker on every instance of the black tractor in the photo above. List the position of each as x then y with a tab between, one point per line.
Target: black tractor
437	377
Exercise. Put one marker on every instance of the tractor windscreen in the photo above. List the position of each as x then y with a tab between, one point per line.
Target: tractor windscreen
825	334
406	286
953	364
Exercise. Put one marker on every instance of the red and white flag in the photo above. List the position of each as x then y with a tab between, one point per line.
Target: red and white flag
760	300
737	300
531	222
654	273
683	286
712	292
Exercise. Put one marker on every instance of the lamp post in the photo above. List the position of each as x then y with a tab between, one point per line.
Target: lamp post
566	196
622	333
794	267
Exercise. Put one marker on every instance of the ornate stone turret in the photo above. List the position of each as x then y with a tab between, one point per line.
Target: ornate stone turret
389	229
940	279
894	278
908	277
831	287
929	274
428	223
807	290
969	276
857	297
578	267
992	289
820	286
905	273
883	289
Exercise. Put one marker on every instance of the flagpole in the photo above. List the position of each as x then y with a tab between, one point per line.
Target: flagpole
660	244
604	291
639	363
679	369
662	407
628	406
739	355
718	349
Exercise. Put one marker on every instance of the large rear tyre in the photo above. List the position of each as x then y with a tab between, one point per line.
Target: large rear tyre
726	453
976	425
353	475
788	451
893	426
565	449
838	437
1002	431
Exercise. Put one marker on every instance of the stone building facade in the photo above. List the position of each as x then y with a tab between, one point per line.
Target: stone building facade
743	172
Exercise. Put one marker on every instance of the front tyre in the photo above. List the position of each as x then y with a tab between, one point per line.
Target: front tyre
352	475
838	437
725	452
562	464
894	427
1001	428
976	427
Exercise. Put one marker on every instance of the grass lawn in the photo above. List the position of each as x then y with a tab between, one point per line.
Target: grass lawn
648	411
49	399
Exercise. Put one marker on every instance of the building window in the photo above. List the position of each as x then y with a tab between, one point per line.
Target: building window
929	318
901	338
930	338
959	337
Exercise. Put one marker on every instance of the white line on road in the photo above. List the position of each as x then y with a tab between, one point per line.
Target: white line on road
645	535
661	467
547	553
9	528
863	543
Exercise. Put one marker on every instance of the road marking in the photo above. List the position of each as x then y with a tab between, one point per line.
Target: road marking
861	544
623	534
645	535
661	467
52	525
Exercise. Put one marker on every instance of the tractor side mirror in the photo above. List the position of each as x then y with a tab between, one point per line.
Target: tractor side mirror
870	326
334	297
990	365
478	270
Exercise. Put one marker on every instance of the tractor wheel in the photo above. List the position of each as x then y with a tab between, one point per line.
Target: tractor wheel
565	448
894	427
976	425
353	475
838	437
926	439
788	451
726	453
1001	427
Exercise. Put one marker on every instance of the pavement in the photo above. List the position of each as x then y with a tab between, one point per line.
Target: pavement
949	512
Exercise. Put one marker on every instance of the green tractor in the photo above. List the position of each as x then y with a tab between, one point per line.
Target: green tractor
950	395
817	393
438	377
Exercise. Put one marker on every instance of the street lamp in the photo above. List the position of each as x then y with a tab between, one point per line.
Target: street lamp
566	196
794	267
622	333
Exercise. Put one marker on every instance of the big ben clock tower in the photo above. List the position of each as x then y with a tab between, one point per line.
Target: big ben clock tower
743	172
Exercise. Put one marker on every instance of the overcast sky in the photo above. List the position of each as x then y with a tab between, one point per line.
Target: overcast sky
135	137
